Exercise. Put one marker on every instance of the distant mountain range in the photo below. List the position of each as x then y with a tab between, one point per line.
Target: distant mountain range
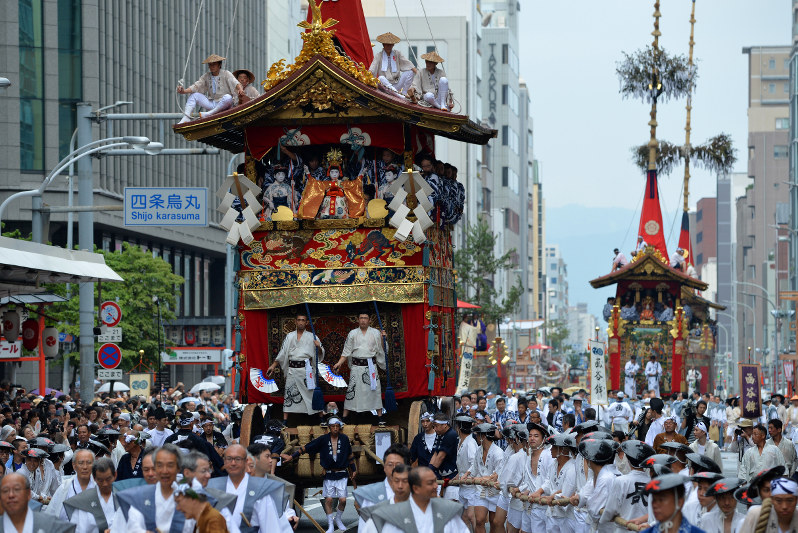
586	237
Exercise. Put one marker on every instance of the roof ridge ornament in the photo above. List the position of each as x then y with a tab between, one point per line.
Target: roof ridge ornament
318	41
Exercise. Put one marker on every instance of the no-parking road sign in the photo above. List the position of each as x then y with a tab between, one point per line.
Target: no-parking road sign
110	314
109	356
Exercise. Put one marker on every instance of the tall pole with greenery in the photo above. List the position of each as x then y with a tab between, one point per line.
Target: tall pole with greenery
477	265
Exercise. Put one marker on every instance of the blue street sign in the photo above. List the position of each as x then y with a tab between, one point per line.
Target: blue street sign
109	356
166	206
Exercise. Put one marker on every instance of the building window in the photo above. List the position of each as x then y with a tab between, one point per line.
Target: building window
31	85
70	70
553	281
414	55
505	176
699	260
772	64
505	53
505	135
780	151
772	88
505	90
782	123
699	236
699	215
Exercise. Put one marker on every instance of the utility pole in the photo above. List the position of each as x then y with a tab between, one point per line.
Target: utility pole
86	242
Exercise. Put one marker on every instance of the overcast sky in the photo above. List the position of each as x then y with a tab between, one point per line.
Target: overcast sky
583	129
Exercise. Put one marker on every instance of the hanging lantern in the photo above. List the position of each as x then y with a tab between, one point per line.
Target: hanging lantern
190	335
30	334
11	325
204	335
50	343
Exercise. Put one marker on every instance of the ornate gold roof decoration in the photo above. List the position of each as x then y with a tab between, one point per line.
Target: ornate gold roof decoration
318	41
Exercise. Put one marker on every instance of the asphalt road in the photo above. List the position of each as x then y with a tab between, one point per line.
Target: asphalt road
314	507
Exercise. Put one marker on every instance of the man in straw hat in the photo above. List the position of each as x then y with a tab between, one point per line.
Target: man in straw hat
430	83
213	91
246	79
393	70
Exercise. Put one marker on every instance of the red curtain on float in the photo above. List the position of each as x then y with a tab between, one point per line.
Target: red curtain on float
257	352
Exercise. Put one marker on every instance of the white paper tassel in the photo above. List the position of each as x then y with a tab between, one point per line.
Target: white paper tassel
421	184
229	219
399	217
422	217
245	233
418	233
250	220
252	202
398	183
398	199
404	230
227	203
233	236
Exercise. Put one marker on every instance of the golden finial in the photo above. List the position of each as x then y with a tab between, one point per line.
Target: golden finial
317	24
335	158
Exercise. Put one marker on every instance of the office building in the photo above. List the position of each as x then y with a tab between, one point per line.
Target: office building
757	242
60	52
556	284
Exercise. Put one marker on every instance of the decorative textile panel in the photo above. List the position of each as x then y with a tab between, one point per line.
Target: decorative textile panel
282	268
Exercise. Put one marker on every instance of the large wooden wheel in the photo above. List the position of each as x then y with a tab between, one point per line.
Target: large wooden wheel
414	419
251	423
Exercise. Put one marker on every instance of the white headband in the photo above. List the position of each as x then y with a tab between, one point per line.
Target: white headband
130	437
702	427
783	485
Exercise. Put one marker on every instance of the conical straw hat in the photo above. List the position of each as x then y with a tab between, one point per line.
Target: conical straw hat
432	56
388	38
213	58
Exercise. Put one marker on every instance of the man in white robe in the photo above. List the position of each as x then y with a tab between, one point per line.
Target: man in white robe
365	352
390	66
95	512
630	371
15	497
653	373
83	460
296	359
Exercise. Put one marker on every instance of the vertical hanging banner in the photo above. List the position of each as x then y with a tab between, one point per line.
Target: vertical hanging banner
598	375
468	342
750	397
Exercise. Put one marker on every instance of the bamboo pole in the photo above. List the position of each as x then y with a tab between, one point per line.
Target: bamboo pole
302	509
689	108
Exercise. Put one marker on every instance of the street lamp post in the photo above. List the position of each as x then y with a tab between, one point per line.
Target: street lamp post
776	339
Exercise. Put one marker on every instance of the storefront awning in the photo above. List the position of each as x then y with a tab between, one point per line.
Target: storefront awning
25	265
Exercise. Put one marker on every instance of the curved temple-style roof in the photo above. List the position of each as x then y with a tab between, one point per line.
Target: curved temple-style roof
321	93
647	267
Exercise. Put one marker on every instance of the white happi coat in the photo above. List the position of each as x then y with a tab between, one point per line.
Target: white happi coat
492	465
629	381
359	396
653	373
466	450
562	518
534	481
712	522
624	499
298	397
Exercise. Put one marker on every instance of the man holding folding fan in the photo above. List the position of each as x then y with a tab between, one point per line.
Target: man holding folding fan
296	361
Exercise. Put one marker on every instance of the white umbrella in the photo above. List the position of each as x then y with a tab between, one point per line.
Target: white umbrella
219	380
189	399
204	385
118	387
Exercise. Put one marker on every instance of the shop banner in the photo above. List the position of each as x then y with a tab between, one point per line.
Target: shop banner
598	375
750	397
